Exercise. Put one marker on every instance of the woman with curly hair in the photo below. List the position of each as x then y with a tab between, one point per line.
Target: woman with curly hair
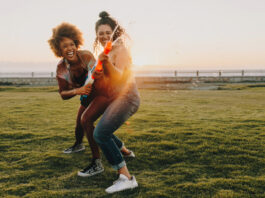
71	71
71	74
125	99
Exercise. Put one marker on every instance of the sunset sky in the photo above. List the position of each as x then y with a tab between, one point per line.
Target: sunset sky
190	34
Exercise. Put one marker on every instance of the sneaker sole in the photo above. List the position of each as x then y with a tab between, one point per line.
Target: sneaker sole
129	156
66	152
130	188
89	175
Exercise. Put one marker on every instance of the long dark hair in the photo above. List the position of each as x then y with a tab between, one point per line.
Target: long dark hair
105	19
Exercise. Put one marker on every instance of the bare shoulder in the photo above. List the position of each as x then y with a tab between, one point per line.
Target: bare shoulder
60	65
87	58
121	50
121	57
85	54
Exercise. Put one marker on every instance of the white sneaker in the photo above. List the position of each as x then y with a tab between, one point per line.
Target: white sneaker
123	183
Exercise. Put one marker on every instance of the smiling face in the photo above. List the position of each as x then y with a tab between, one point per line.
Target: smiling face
68	49
103	33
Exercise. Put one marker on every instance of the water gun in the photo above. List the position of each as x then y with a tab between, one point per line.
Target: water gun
97	66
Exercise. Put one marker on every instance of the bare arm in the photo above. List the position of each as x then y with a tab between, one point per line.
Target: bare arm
67	93
111	70
122	62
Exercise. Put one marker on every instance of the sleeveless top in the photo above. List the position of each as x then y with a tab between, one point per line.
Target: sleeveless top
121	59
63	71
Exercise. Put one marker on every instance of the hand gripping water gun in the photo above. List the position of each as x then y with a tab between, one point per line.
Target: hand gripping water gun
98	65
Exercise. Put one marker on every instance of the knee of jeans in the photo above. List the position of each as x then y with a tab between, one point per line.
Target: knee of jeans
97	136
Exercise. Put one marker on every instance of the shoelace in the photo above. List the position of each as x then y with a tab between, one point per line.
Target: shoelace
70	149
118	180
115	181
89	167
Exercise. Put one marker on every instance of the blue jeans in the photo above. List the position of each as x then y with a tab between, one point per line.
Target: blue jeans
123	107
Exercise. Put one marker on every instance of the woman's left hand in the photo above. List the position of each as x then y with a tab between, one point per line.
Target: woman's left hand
98	74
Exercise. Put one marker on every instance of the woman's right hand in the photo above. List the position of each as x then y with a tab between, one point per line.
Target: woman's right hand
85	90
103	57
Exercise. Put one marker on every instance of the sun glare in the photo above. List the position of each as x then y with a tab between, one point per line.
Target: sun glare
140	60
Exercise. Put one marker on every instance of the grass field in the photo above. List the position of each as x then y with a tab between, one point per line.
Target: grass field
187	144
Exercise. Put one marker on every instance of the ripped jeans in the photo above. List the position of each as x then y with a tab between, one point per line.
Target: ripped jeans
123	107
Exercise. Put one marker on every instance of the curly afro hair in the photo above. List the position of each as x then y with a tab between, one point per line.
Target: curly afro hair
64	30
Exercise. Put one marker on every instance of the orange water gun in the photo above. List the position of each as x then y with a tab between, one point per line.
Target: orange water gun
98	65
107	49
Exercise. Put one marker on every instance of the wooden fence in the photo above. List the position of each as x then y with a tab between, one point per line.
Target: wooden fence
152	73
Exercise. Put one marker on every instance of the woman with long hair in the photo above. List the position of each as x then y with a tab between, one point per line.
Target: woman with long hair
125	99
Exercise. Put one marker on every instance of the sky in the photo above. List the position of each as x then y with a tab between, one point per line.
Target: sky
184	35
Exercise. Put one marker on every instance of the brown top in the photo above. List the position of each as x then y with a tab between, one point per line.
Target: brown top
73	77
70	77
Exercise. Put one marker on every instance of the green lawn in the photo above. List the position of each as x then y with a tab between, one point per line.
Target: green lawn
187	143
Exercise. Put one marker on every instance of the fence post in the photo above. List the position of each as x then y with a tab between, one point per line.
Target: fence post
243	72
197	73
220	73
32	74
175	73
51	74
